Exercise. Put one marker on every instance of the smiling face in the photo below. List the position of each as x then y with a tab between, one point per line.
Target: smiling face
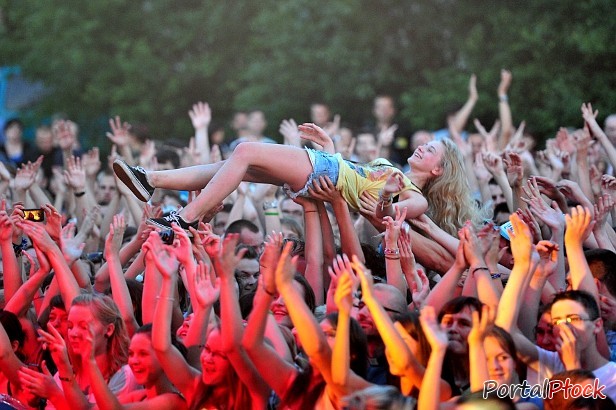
214	363
428	158
279	308
79	320
142	360
501	365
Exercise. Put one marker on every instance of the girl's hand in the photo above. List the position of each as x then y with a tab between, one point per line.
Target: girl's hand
37	383
579	225
268	262
435	335
481	325
521	240
54	342
226	260
207	286
393	226
113	244
394	184
285	270
161	256
87	346
344	293
420	295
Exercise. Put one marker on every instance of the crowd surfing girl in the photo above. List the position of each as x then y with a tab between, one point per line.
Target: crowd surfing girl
436	181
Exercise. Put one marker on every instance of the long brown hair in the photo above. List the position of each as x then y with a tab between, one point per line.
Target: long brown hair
106	311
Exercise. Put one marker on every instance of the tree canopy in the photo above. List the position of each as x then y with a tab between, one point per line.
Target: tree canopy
150	60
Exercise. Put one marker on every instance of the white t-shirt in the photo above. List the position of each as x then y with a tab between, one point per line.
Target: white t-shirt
122	382
550	364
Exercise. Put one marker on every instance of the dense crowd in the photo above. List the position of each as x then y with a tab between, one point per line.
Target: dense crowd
349	267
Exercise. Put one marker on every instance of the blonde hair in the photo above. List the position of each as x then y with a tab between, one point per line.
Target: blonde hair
106	311
450	203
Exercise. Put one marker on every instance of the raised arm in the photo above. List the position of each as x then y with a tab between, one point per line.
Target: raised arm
393	268
590	117
201	116
69	289
177	369
579	227
311	336
431	383
231	320
477	355
119	289
460	118
12	271
504	110
511	299
275	367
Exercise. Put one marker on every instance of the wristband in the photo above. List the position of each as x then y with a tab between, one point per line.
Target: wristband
496	275
270	205
503	98
79	194
391	257
480	268
67	379
391	252
272	213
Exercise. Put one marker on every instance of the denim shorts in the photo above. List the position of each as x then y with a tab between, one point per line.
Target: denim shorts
323	165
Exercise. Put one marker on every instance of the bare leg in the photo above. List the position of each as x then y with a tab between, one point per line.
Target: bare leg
255	162
184	179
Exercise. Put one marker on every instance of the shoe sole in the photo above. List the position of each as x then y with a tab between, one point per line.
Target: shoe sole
122	170
156	225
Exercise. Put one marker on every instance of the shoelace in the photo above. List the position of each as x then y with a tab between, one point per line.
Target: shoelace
172	217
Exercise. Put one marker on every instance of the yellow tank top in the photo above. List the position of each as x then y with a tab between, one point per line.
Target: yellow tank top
355	179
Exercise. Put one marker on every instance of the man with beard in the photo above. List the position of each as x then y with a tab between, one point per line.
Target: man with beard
395	305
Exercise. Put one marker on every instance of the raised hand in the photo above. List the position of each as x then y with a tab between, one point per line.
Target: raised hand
393	184
436	336
493	163
418	293
548	256
113	243
74	175
200	115
505	82
590	118
513	166
119	132
53	341
316	134
6	227
489	137
53	221
207	286
521	240
386	136
91	162
344	293
579	225
342	264
603	207
25	177
532	223
481	325
482	173
40	238
288	129
268	261
71	246
285	269
393	226
161	256
226	259
472	246
333	127
182	247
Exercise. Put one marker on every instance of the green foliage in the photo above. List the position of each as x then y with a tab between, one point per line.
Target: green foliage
151	60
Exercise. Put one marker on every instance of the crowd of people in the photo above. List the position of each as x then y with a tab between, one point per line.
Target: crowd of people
349	267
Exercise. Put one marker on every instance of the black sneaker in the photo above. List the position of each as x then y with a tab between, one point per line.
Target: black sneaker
173	217
134	178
